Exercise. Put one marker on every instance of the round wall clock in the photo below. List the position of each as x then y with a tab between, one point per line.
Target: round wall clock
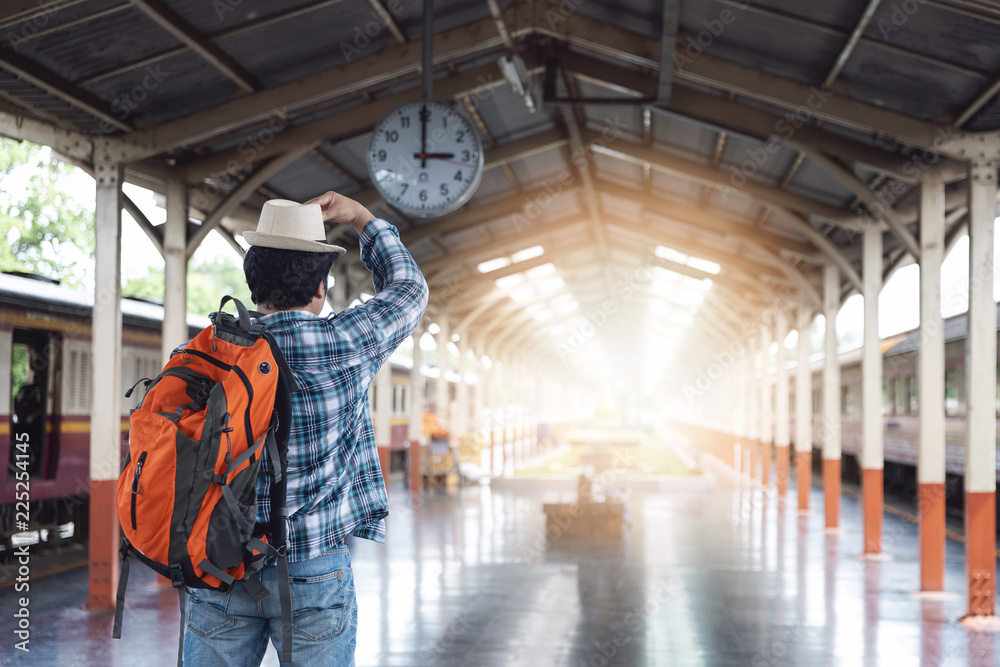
425	159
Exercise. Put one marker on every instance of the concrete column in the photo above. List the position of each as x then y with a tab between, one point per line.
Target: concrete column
930	367
753	401
781	438
740	382
441	399
415	433
803	405
175	330
383	418
831	397
500	415
462	391
766	407
872	459
106	418
980	419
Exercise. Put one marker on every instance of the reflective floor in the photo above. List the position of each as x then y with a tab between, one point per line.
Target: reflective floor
468	578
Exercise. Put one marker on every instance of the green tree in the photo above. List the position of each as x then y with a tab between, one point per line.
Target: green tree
47	231
208	281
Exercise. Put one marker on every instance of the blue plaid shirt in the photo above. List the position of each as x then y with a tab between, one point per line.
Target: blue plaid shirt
335	486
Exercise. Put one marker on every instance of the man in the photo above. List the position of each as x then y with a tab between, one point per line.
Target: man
335	486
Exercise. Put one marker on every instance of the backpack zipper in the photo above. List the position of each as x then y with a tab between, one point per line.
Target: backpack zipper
136	488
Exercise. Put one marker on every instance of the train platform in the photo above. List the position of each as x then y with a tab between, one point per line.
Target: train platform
722	574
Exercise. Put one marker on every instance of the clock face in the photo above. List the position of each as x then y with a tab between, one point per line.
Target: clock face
425	159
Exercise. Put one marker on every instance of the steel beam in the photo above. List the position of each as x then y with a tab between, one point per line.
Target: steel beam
173	23
852	41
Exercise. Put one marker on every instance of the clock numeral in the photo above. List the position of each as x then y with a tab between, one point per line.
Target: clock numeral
423	195
460	138
382	155
444	189
466	156
406	186
404	121
392	136
458	175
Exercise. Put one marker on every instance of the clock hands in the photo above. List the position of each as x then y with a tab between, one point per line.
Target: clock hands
444	157
424	116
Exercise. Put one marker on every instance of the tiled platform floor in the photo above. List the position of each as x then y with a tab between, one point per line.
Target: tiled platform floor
722	577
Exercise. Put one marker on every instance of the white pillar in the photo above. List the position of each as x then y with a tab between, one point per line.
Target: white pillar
462	391
831	397
781	439
175	330
766	406
415	430
803	404
106	418
750	452
930	366
871	394
980	420
441	399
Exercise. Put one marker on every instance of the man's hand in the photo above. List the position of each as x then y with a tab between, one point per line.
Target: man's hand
343	210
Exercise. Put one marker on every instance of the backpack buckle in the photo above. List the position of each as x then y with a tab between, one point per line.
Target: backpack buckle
176	576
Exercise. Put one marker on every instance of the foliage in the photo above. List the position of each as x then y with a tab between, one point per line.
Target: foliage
208	281
47	231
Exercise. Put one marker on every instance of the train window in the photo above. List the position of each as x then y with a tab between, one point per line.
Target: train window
911	382
78	388
902	402
888	394
954	399
34	368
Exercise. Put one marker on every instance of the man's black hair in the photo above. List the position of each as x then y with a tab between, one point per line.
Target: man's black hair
285	278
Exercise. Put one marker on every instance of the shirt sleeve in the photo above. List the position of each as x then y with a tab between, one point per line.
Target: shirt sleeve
385	320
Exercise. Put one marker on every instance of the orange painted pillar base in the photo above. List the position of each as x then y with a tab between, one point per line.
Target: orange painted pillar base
416	472
831	491
751	458
803	472
781	462
872	508
980	551
105	538
930	510
765	463
383	462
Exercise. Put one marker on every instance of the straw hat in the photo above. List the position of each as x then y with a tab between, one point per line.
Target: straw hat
289	225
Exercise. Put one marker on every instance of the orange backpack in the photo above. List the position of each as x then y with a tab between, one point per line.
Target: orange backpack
187	494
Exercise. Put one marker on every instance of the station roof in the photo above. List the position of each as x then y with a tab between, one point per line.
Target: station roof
730	149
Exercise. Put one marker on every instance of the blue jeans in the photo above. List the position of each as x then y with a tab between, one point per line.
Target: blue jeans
231	629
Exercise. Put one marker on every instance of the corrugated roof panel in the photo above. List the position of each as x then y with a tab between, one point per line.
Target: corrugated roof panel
617	171
916	88
684	137
931	30
350	154
840	14
731	203
639	16
306	178
614	121
176	87
813	182
506	116
801	53
211	18
744	158
494	186
100	45
541	168
318	40
673	187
